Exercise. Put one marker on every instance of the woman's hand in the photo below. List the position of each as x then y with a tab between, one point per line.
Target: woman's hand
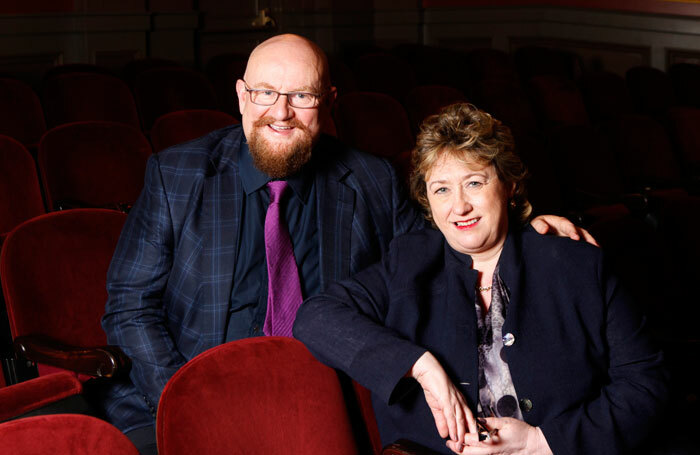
453	418
558	225
512	437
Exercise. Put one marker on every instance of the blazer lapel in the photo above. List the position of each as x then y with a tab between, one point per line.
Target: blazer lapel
221	206
335	202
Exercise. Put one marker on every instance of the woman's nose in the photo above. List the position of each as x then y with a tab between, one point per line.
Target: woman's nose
460	204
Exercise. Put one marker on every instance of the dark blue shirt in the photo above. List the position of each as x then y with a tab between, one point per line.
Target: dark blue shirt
248	303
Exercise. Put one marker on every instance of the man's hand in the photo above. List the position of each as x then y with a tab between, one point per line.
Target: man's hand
558	225
453	418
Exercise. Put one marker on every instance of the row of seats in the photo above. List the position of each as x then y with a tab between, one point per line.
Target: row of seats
259	395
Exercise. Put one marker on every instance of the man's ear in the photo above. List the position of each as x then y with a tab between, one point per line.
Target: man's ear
241	92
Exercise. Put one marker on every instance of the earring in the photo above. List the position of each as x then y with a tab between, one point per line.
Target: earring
512	204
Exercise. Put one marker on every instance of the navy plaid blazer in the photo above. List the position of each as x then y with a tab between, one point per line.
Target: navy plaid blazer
170	280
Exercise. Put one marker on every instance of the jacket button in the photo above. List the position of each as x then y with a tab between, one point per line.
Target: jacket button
508	339
525	404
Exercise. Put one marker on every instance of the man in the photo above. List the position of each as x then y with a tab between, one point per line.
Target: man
190	271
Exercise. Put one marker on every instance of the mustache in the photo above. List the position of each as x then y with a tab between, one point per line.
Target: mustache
293	122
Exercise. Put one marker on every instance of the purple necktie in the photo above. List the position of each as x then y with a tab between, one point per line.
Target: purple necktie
283	288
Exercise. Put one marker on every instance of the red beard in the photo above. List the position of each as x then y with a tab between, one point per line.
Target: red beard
275	160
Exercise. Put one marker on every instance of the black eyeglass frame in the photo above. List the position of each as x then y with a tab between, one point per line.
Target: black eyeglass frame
317	96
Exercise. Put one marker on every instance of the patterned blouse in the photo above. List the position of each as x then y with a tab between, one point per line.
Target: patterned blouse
497	397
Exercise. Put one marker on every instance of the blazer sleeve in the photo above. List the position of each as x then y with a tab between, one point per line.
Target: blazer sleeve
134	316
344	328
618	418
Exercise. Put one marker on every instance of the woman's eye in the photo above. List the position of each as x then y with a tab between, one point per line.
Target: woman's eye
441	190
475	184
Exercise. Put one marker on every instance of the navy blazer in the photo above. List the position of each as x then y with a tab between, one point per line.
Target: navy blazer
582	363
170	280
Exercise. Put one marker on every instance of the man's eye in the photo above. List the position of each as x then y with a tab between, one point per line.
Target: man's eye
267	92
302	96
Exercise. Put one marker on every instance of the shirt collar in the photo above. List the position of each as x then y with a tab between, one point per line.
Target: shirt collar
253	178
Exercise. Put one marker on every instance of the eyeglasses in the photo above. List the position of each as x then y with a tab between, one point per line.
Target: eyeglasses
268	97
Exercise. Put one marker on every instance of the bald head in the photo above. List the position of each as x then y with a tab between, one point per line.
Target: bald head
295	50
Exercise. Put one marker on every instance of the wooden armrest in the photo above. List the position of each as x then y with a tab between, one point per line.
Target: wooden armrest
101	361
406	447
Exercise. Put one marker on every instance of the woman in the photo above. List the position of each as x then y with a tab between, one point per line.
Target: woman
528	333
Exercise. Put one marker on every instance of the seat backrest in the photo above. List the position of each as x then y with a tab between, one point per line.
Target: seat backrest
644	151
254	396
385	73
20	195
685	79
63	434
685	132
605	95
167	89
426	100
557	101
373	122
182	126
93	164
650	90
21	115
54	270
78	96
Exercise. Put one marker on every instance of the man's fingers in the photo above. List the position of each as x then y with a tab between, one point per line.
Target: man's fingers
540	226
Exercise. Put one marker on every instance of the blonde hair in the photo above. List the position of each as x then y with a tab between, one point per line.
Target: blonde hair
469	135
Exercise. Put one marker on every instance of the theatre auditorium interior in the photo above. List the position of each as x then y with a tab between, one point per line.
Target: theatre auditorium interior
602	97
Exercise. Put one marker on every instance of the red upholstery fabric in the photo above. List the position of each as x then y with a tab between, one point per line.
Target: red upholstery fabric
426	100
685	131
373	122
650	90
223	71
364	399
384	73
255	396
54	270
23	397
162	90
78	96
644	151
558	101
20	196
605	95
63	434
182	126
21	115
96	164
685	79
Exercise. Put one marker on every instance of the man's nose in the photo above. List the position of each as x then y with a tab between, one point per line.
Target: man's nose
281	110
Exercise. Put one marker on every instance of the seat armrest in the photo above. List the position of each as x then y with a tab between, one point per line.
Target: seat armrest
101	361
406	447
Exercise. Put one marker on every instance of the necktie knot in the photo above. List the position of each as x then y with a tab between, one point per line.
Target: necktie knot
277	189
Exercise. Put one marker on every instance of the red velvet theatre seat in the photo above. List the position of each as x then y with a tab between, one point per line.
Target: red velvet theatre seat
43	395
20	196
182	126
21	115
375	123
77	96
93	164
54	270
261	395
63	434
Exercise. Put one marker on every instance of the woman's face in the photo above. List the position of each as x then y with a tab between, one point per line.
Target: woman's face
469	204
